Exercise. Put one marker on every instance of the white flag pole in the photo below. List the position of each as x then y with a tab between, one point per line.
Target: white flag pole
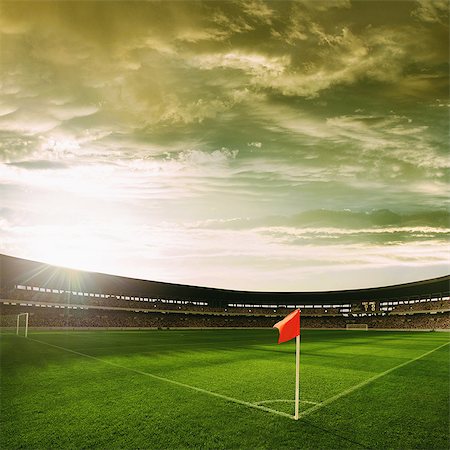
297	375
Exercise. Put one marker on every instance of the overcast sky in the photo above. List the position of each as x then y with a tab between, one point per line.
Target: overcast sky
244	144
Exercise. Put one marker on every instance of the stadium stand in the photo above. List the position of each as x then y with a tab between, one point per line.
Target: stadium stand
56	317
424	305
56	297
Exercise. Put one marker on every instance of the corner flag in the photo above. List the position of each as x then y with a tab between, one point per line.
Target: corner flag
289	328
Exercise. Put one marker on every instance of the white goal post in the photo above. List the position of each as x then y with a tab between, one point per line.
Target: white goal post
357	326
25	316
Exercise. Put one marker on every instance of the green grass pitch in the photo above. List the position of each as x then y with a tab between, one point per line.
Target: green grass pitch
56	398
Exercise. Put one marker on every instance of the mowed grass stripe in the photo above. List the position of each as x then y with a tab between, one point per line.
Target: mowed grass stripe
176	383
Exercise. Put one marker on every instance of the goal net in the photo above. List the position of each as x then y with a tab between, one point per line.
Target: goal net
357	326
14	324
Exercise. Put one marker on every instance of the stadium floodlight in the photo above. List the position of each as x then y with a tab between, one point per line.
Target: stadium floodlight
25	316
357	326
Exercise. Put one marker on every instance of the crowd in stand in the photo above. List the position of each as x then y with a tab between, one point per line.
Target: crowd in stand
56	317
416	321
153	304
424	306
156	313
53	317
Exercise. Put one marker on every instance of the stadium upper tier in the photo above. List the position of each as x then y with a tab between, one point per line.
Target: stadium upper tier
21	272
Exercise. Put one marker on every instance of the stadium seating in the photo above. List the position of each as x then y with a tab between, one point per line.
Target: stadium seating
62	309
65	317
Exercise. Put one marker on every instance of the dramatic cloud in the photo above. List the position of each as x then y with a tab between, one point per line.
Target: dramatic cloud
241	144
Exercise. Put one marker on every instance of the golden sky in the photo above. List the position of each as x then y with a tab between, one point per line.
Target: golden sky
242	144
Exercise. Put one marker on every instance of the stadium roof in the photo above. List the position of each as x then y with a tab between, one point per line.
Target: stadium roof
17	271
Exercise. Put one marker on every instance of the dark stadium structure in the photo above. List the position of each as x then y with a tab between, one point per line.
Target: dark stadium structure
114	301
17	271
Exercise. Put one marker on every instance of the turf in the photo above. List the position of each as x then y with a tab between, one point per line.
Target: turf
54	398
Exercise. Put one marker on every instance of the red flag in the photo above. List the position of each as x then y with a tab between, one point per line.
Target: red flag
289	327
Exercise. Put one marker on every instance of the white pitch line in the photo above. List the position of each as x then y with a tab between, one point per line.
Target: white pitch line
177	383
364	383
242	402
